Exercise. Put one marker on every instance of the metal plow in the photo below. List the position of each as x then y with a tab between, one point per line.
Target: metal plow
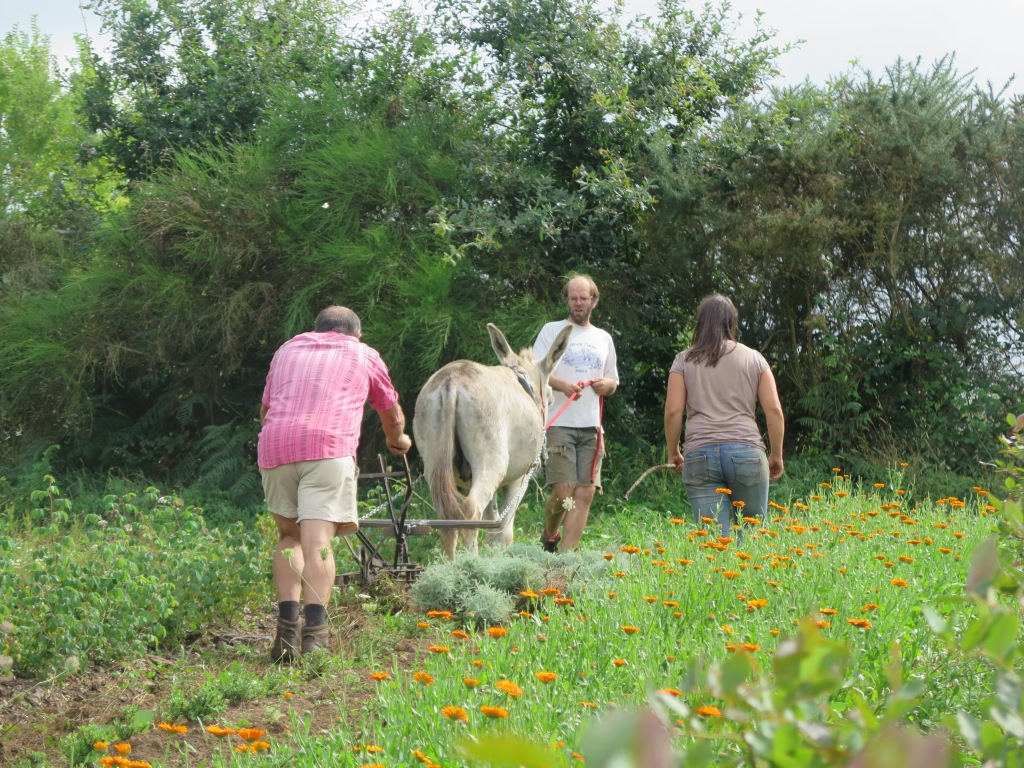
370	557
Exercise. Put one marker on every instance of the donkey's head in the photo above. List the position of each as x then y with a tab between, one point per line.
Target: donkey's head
532	372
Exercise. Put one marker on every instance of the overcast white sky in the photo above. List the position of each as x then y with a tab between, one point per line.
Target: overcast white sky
984	34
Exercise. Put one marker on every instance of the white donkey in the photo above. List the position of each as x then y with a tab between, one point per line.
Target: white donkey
481	427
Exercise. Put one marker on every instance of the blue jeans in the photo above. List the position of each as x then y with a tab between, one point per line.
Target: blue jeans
743	469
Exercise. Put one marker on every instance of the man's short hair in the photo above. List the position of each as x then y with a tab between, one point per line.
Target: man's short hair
594	293
339	319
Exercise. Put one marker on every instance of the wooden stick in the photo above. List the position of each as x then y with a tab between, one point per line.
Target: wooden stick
644	476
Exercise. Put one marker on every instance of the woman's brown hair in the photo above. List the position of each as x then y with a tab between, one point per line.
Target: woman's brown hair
717	320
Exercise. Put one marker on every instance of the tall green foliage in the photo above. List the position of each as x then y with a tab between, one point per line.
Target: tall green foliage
184	74
856	228
437	172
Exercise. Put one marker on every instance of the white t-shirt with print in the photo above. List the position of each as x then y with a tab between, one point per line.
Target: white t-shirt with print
591	355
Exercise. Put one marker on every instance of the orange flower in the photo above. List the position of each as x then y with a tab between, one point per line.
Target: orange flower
670	692
546	677
455	713
828	611
470	682
423	677
423	625
860	623
751	520
619	662
588	704
258	746
751	647
945	550
172	728
755	604
439	614
379	675
251	734
906	559
100	746
218	731
510	688
123	748
629	630
869	607
497	631
723	490
774	632
373	748
709	711
529	593
739	504
458	633
551	591
439	649
670	603
563	601
731	574
497	712
629	549
899	583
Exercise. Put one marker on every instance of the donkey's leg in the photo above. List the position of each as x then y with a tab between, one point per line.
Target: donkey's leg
503	537
449	539
480	501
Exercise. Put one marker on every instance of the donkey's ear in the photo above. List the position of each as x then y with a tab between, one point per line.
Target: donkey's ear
501	348
558	347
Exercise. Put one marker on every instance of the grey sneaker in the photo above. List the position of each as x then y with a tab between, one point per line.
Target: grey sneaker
314	638
286	642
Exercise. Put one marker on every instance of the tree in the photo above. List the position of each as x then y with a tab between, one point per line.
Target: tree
188	74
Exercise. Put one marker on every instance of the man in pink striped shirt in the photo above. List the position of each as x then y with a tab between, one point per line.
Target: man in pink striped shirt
312	412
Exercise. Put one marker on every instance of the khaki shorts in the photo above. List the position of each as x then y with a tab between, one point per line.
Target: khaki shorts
313	490
571	453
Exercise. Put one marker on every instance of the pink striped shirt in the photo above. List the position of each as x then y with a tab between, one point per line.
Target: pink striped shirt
316	390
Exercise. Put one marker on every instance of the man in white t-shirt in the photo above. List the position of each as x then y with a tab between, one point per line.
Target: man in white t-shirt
586	374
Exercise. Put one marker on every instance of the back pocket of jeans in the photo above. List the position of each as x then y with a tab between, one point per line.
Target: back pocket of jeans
695	470
750	471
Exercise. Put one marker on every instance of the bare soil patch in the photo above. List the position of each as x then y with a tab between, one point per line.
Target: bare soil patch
36	718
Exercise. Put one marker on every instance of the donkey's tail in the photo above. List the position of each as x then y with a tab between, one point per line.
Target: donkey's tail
448	502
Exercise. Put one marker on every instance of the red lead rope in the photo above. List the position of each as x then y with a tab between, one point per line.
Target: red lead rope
600	430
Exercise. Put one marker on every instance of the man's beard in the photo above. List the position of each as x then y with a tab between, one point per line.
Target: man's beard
582	318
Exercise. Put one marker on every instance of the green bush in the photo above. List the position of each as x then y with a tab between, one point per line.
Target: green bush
117	579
